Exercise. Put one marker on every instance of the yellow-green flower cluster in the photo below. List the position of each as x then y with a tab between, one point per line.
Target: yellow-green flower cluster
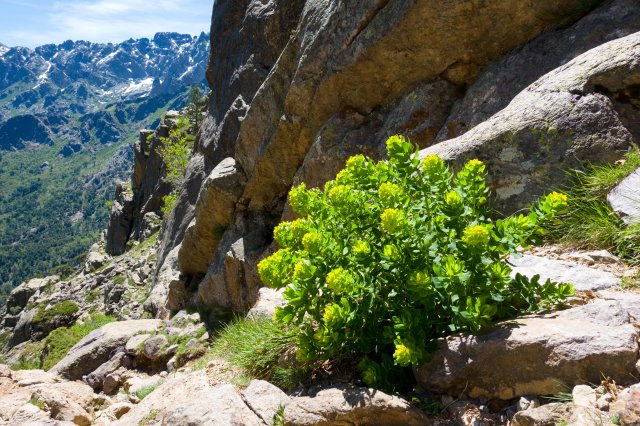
289	234
304	270
392	252
476	236
419	280
340	280
404	355
361	249
393	220
557	200
475	166
432	165
453	199
398	148
389	193
299	199
275	269
312	242
340	195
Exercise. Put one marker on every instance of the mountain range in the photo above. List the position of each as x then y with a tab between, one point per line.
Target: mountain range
68	115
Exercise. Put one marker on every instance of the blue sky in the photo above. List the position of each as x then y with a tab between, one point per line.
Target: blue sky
33	23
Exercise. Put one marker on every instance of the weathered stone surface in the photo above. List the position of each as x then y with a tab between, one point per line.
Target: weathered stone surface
96	378
268	300
624	199
213	215
537	355
167	276
153	346
97	347
583	278
232	280
265	399
221	406
354	406
627	406
502	80
557	122
19	296
181	396
546	415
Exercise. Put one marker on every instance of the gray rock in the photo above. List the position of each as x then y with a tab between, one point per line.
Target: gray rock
556	123
353	406
213	215
546	415
268	300
583	278
624	199
265	399
136	343
584	396
97	347
503	79
153	346
96	378
120	220
562	349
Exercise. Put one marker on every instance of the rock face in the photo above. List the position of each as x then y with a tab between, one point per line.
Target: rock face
537	355
98	346
291	106
565	117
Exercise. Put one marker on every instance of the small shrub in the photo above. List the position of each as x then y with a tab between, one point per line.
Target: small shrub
168	203
66	308
395	254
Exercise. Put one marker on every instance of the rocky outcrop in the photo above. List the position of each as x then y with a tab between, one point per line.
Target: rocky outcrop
17	132
537	355
292	107
566	117
142	196
98	346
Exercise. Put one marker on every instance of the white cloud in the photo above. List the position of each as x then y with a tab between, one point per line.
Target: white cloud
116	20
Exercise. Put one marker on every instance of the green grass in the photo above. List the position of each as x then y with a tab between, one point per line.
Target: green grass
66	308
62	339
38	403
149	417
590	223
254	346
146	391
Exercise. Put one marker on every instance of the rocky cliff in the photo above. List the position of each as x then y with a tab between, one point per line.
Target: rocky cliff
533	98
533	89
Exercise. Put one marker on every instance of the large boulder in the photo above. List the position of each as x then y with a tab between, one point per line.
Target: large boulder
563	119
97	347
536	355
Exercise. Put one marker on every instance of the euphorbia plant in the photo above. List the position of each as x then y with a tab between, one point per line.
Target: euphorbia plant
392	255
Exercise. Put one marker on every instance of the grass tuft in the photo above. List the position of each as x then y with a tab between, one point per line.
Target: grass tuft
255	346
590	223
146	391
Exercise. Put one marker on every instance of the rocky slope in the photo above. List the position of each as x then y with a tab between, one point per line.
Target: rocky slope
67	113
298	87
